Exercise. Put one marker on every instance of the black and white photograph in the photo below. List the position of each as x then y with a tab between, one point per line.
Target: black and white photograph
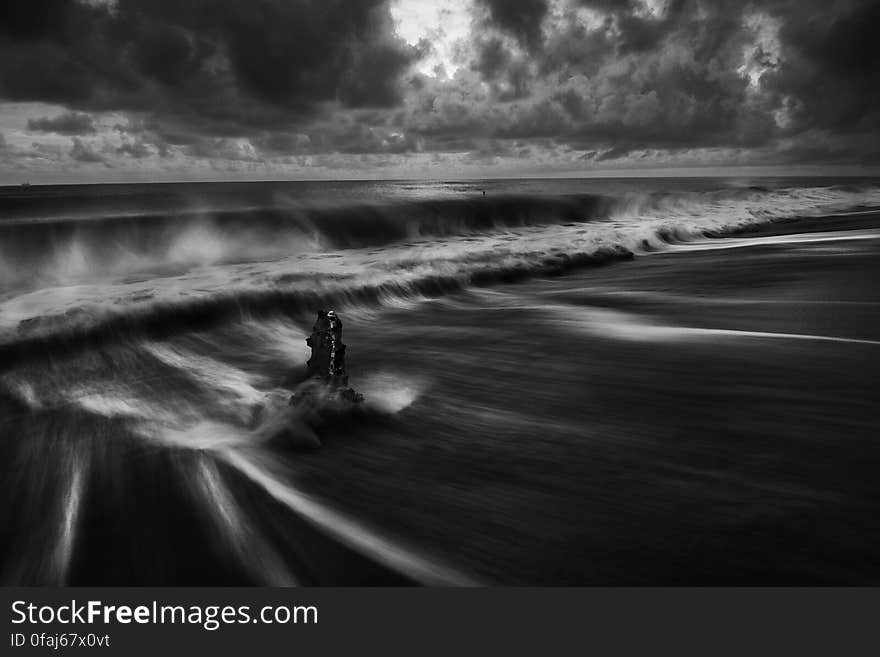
440	293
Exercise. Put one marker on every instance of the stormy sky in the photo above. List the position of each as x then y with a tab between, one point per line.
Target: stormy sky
114	90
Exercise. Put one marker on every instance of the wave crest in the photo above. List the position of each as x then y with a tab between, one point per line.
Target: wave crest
397	253
53	248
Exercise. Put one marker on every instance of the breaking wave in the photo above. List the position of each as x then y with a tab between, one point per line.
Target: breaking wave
77	283
51	250
57	247
54	336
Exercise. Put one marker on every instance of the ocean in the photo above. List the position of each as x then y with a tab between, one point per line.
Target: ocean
604	381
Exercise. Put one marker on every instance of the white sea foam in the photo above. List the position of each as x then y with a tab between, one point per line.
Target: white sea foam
231	383
222	262
619	325
251	546
348	531
68	518
771	240
391	392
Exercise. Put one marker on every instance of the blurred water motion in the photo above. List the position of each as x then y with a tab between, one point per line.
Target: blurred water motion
702	414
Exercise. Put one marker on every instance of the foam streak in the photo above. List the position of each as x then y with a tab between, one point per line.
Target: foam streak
346	530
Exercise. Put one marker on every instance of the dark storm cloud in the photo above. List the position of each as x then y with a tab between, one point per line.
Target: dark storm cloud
492	58
669	80
222	149
673	78
82	152
832	69
68	123
346	134
508	76
297	53
226	62
284	143
135	149
670	83
522	18
245	80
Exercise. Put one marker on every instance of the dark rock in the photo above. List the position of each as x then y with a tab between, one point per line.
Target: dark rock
327	378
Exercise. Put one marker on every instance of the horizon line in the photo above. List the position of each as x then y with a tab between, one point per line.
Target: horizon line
682	173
